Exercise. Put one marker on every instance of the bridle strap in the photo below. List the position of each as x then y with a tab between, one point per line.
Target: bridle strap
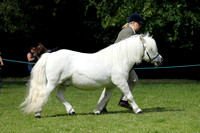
154	57
144	47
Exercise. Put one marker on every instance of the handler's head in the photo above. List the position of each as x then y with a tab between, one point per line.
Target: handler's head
136	21
136	18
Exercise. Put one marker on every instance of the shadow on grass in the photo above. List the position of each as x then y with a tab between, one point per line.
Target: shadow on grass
148	110
161	109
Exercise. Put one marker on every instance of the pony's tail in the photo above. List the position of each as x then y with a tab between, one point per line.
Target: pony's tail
37	95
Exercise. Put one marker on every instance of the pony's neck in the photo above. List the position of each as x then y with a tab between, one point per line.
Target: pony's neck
125	53
131	50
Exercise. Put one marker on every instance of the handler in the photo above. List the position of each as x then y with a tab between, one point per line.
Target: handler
134	23
1	64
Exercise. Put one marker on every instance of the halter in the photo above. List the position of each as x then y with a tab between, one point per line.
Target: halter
151	59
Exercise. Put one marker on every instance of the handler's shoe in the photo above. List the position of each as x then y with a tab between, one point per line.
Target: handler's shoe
125	104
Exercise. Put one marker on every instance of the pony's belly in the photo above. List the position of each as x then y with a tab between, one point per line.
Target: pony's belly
86	87
86	83
89	85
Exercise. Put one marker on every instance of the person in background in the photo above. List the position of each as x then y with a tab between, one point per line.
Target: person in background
1	61
32	58
1	64
134	24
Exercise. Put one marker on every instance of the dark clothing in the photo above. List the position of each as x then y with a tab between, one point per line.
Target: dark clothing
30	66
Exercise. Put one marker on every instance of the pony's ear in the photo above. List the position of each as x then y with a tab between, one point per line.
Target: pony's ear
147	34
142	39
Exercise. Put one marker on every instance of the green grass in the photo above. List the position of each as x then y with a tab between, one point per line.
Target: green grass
168	106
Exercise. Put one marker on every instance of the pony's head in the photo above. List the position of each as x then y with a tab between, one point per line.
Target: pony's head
150	50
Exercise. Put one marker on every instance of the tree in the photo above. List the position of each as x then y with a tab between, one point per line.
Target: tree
12	18
173	21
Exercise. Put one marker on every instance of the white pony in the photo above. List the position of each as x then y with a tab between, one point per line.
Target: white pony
107	68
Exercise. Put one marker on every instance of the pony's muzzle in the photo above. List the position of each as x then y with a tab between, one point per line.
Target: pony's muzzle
159	62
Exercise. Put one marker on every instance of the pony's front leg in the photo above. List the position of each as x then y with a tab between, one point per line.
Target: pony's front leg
60	94
124	87
103	100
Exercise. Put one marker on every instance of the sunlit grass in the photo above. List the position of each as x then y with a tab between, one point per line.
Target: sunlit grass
168	106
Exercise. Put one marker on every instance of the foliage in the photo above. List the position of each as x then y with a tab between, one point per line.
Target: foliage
168	106
177	23
174	21
11	16
24	16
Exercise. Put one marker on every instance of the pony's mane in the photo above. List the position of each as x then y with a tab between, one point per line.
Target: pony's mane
130	49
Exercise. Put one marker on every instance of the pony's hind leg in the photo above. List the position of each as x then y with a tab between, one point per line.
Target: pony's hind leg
103	100
61	97
43	98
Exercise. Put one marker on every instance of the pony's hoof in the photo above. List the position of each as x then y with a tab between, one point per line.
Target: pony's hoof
37	116
72	113
139	113
97	113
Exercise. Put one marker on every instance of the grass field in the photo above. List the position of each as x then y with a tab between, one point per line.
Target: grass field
168	106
